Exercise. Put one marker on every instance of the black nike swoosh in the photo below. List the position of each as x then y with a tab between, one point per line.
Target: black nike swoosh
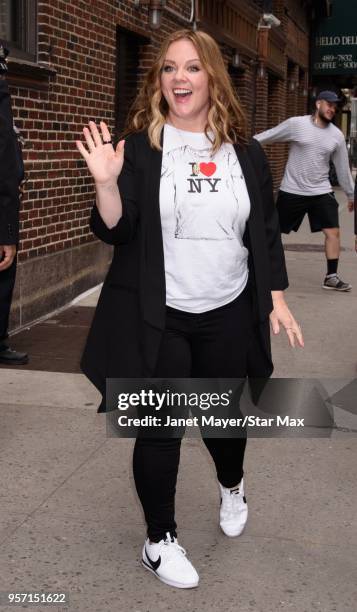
154	564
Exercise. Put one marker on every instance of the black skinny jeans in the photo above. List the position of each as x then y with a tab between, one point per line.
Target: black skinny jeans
210	344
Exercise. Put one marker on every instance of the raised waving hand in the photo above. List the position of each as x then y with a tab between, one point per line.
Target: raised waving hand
103	161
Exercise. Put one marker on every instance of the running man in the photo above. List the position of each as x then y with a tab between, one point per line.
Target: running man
305	188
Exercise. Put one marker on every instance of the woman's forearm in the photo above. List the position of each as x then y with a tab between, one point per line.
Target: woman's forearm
109	203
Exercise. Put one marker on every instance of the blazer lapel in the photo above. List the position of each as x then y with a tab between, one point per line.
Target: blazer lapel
255	223
250	180
255	236
152	269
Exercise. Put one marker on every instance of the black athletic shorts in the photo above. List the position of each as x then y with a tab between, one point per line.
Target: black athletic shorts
322	211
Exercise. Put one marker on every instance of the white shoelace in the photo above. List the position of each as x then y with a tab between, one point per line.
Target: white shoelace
230	510
171	541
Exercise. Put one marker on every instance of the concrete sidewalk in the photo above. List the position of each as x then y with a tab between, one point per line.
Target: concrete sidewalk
70	518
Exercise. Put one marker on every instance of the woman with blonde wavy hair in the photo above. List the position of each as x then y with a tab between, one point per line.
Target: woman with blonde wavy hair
198	269
225	118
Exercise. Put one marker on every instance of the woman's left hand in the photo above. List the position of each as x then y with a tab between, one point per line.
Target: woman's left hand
281	315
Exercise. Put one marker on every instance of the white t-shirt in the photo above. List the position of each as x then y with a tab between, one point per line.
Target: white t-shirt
204	206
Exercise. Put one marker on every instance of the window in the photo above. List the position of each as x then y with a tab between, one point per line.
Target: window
18	27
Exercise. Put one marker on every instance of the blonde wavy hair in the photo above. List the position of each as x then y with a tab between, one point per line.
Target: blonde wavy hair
225	119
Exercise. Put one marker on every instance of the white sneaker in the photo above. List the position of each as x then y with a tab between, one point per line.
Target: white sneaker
233	512
167	560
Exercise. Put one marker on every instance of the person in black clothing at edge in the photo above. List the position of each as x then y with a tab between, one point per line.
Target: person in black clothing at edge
198	268
11	176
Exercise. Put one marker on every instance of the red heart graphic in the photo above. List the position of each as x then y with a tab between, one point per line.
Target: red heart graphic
208	169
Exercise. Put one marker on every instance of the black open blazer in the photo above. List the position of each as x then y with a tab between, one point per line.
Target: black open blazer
130	317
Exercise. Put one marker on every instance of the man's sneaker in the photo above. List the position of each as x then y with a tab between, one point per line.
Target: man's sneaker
332	281
167	560
233	512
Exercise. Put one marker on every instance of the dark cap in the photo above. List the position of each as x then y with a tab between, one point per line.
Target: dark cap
329	96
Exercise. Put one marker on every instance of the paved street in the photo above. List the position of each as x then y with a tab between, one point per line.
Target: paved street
70	518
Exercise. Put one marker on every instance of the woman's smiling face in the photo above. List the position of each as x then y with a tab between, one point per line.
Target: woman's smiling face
184	84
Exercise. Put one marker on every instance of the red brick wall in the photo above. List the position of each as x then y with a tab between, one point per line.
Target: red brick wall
78	39
279	102
243	82
277	112
58	193
261	115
